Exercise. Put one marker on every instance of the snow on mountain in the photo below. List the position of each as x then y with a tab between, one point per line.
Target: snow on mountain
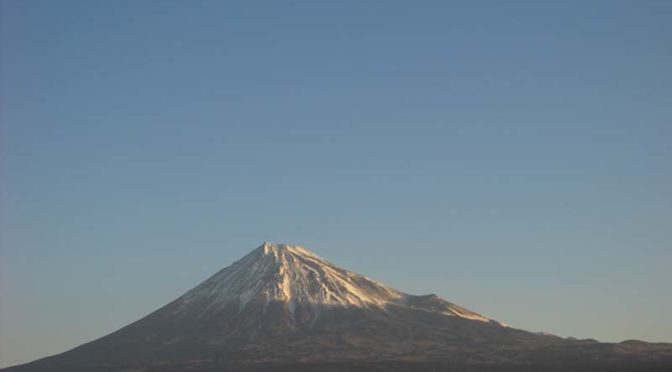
294	275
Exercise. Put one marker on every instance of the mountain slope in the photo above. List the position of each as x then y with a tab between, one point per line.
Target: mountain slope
296	276
283	307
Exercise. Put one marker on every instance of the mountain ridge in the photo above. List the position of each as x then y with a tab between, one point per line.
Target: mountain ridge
283	306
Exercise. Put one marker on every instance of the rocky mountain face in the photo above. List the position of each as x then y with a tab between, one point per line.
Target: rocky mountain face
282	307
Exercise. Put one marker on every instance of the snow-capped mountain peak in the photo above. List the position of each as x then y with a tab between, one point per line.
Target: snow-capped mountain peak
296	276
289	273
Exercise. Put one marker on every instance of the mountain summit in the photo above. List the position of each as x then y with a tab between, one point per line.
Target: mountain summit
294	277
283	307
290	274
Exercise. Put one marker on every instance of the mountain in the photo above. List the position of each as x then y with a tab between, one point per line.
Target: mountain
282	307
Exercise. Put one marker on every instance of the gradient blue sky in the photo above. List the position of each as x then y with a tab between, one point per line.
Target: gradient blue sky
513	157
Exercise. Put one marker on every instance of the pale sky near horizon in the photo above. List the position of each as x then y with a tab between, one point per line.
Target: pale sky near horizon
513	157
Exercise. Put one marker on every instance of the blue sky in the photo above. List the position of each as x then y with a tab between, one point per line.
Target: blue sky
512	157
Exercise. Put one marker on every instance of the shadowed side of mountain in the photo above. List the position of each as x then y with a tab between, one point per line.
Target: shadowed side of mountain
392	366
395	338
269	332
404	366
